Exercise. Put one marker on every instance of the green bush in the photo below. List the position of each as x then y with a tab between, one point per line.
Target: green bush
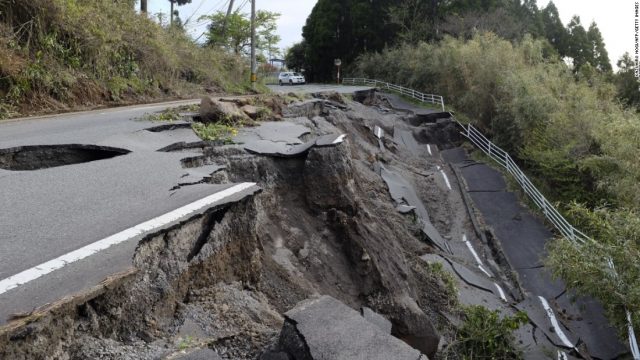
484	334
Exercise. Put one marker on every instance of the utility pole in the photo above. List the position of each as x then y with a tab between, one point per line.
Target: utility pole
171	14
254	65
143	6
226	19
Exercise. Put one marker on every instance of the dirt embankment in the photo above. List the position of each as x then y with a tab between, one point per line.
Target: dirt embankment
324	223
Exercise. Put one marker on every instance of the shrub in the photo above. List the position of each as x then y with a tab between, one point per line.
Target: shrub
484	334
56	53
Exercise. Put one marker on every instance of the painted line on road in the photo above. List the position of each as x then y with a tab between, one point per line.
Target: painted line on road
91	249
562	355
340	139
502	295
554	323
429	149
378	132
444	175
475	255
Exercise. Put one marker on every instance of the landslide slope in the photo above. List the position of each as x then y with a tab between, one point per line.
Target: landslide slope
57	55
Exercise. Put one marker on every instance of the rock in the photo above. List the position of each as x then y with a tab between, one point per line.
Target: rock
414	327
328	178
272	355
324	328
251	111
213	110
200	354
376	319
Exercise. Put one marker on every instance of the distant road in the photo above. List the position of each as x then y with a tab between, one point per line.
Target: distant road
313	88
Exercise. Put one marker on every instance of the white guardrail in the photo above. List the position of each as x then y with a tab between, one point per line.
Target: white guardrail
504	159
428	98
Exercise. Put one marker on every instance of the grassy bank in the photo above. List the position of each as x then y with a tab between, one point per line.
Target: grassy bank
58	55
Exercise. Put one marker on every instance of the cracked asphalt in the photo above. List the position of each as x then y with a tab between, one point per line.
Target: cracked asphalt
52	212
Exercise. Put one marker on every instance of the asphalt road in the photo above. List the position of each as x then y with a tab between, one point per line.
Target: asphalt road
52	215
314	88
66	228
522	237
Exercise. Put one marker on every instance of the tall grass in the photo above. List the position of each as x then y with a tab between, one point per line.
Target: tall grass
60	53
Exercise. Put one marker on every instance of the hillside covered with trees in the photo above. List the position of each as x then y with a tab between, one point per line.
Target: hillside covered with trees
542	90
57	55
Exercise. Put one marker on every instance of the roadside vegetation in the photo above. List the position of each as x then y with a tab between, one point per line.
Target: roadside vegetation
486	334
57	55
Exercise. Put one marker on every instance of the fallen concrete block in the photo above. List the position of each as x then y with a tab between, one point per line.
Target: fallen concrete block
325	328
376	319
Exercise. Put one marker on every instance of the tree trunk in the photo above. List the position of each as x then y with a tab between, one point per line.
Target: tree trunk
143	6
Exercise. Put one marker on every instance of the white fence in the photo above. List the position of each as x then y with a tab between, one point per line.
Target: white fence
428	98
504	159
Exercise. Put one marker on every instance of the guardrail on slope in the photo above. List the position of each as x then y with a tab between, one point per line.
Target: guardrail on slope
504	159
428	98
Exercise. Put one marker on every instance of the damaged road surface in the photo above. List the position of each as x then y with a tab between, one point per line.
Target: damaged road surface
80	191
323	228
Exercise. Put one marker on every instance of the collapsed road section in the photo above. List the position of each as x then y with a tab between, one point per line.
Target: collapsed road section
328	229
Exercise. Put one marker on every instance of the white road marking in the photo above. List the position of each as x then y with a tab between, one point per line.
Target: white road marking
562	355
475	256
339	139
446	179
378	132
633	342
485	271
502	295
429	149
91	249
554	323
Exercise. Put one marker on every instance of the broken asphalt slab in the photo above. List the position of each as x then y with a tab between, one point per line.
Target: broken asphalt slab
267	147
407	199
325	328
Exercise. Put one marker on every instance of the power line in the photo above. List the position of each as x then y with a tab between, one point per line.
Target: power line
193	13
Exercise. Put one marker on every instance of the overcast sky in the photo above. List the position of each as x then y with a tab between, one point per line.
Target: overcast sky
614	17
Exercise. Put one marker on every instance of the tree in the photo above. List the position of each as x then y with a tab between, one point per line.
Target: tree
627	83
409	18
553	29
143	6
600	57
344	29
237	37
180	3
295	58
579	46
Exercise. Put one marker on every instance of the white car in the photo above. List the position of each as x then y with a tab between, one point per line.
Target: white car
290	78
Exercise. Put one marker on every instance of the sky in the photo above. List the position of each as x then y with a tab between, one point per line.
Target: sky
615	18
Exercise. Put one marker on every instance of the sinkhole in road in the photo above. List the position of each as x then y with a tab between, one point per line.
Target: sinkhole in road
36	157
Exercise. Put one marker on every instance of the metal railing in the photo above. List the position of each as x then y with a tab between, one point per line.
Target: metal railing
427	98
504	159
550	212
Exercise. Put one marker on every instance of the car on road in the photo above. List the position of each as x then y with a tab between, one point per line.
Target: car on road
290	78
